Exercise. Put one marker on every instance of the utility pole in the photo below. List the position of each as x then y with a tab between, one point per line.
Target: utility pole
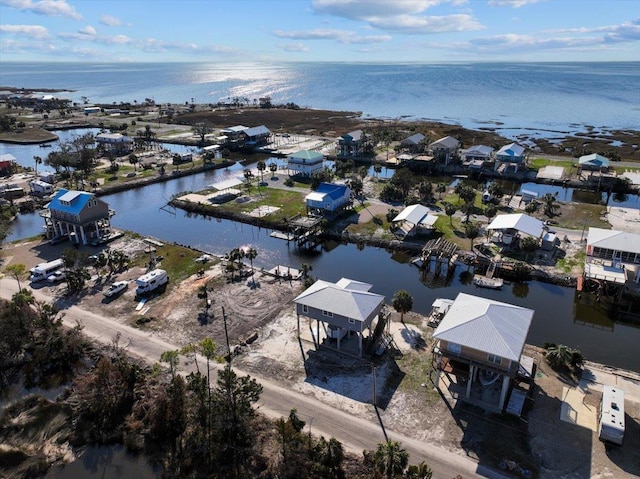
226	334
375	394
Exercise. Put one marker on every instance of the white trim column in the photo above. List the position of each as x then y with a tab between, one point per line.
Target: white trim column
472	373
84	238
505	387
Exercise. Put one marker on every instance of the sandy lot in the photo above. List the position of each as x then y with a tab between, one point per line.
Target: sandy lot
406	402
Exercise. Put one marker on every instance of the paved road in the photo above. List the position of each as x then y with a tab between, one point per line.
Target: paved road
356	434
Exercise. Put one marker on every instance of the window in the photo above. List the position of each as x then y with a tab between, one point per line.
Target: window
329	314
494	359
454	348
352	321
305	308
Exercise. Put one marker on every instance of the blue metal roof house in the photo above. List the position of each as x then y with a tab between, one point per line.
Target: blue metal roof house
80	215
328	197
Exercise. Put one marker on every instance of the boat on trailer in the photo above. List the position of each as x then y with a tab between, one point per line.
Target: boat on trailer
485	282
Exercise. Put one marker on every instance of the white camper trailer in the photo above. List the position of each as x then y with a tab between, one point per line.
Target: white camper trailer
42	271
41	188
151	281
611	424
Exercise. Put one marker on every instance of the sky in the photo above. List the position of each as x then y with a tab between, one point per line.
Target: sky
424	31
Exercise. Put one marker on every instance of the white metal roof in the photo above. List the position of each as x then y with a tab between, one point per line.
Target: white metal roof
315	196
486	325
512	149
518	221
413	214
345	298
614	240
593	160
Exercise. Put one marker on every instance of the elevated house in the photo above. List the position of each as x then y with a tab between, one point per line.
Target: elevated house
232	137
7	160
256	137
414	219
445	148
593	162
80	215
115	143
508	228
511	156
477	156
478	350
328	198
340	310
613	256
351	144
414	143
305	162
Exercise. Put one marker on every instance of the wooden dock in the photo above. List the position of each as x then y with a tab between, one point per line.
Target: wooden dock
284	272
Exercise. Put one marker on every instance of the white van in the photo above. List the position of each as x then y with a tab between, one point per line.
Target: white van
42	271
150	281
611	423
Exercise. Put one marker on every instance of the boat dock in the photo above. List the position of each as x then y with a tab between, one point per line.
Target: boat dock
285	272
283	236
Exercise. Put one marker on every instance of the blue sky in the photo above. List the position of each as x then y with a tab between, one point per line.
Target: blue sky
319	30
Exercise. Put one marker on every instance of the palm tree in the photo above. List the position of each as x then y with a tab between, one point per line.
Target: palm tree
273	167
450	210
329	456
17	270
390	459
38	161
528	244
441	188
420	471
558	356
472	231
402	302
251	253
377	169
261	167
550	205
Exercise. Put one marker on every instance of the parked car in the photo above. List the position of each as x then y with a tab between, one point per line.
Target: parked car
58	239
57	276
116	288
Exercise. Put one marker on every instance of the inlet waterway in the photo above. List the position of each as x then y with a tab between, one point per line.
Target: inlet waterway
558	316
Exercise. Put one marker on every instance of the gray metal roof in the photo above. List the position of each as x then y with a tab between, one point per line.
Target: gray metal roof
614	240
518	221
345	298
486	325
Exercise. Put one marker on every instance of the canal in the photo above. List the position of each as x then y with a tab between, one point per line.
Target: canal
558	318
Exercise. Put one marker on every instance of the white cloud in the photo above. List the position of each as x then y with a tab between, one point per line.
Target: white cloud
342	36
88	30
512	3
31	31
110	20
427	24
625	32
18	47
49	8
404	16
362	9
296	47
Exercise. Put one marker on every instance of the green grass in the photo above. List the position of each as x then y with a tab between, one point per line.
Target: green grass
418	368
567	264
372	227
290	203
539	163
453	231
177	261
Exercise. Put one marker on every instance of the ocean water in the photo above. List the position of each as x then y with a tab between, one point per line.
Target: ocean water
547	99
